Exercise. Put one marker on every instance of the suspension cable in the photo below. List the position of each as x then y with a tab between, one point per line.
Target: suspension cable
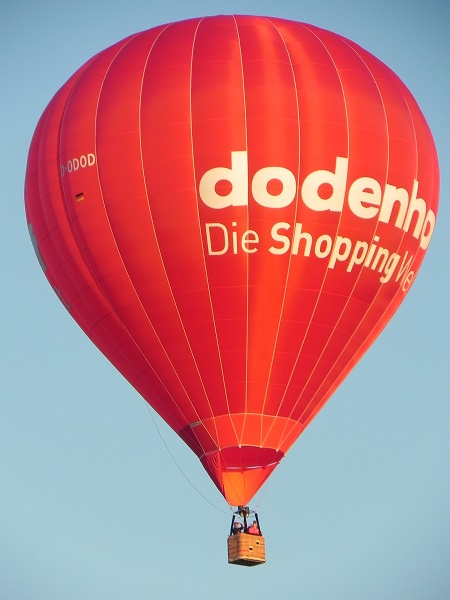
178	466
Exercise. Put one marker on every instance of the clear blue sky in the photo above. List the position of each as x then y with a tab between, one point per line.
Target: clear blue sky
92	506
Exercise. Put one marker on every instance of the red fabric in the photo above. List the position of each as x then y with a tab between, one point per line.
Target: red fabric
191	194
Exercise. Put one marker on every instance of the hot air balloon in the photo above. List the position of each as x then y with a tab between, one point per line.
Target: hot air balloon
232	208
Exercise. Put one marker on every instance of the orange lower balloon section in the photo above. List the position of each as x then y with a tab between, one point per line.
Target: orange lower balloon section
239	451
240	472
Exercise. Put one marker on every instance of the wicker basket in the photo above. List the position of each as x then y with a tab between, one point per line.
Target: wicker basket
246	550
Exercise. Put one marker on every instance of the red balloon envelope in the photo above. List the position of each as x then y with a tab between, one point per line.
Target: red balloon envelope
232	208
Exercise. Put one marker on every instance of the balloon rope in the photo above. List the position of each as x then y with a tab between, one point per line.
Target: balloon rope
178	466
261	496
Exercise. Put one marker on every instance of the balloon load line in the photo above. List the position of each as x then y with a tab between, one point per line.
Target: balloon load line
178	466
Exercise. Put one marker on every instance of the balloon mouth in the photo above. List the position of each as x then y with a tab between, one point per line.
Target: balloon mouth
240	471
